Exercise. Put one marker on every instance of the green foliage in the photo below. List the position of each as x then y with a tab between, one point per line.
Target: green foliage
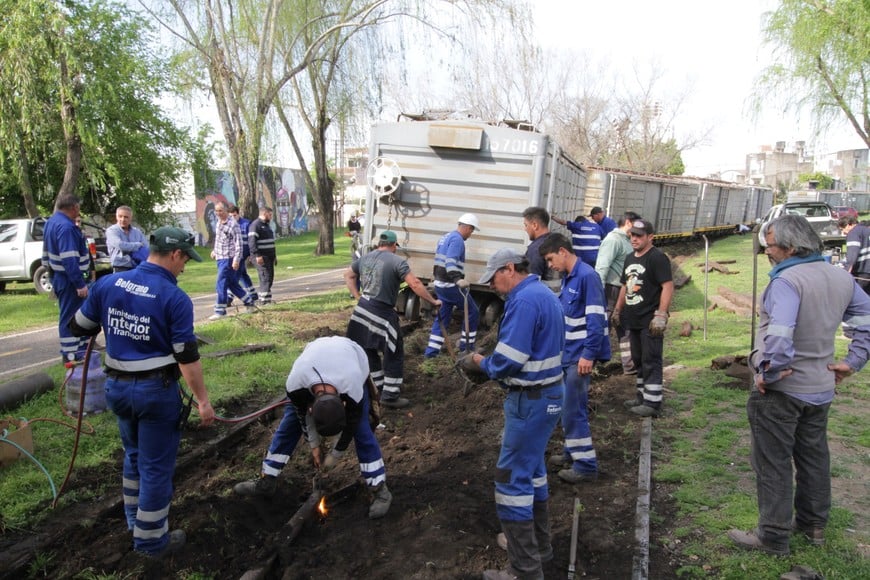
822	60
824	180
132	153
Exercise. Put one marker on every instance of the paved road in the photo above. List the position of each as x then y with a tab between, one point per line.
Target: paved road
32	350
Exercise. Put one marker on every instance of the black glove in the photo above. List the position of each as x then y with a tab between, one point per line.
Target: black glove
467	364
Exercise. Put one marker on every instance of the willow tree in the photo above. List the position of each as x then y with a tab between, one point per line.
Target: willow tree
79	112
821	51
250	50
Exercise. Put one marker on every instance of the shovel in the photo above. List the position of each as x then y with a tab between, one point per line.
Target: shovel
467	385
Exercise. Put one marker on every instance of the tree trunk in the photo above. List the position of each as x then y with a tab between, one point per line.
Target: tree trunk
70	132
324	195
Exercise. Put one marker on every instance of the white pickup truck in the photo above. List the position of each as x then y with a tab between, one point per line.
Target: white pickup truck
21	252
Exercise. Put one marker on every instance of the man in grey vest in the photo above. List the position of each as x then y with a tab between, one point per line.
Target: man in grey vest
795	376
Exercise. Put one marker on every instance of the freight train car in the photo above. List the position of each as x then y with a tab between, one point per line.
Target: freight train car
426	173
679	207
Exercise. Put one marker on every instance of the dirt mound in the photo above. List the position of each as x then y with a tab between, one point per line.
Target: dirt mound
440	456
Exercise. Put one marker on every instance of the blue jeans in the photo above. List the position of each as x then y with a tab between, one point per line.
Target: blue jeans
788	432
575	422
521	472
228	281
147	412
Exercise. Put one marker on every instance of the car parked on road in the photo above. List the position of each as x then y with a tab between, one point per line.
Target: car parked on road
818	213
21	252
842	211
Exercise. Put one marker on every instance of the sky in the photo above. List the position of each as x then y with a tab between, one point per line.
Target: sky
714	45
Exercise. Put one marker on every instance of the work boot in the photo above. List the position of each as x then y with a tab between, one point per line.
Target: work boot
523	553
499	575
397	403
541	513
750	541
177	539
645	411
264	486
799	572
571	476
629	403
815	536
558	461
381	502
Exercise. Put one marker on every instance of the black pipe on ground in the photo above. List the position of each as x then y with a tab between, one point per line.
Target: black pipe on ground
16	392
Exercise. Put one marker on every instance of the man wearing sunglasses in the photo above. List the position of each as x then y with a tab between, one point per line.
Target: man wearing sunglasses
642	309
329	392
148	324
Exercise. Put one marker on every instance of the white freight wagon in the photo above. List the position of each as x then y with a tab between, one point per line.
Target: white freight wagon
425	174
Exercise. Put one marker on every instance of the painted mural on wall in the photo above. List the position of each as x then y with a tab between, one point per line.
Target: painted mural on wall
281	189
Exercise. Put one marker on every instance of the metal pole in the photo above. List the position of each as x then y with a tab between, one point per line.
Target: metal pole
706	279
756	243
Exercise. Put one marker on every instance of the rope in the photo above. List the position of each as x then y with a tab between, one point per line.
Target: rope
27	454
72	460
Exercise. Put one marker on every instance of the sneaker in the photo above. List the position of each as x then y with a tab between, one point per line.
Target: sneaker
815	536
216	316
558	461
571	476
750	541
629	403
263	486
645	411
381	502
397	403
251	309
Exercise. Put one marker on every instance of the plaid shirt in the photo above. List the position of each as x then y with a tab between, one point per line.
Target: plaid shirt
228	240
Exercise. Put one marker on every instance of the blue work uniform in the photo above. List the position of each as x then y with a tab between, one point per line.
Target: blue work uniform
527	363
585	239
607	225
583	302
65	254
448	270
342	363
242	273
146	319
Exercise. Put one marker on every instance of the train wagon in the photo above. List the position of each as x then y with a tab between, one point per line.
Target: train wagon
679	207
424	174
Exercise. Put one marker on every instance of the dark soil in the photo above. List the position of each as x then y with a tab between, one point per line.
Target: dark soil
440	456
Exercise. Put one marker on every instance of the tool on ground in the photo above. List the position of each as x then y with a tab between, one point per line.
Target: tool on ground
467	385
465	292
575	524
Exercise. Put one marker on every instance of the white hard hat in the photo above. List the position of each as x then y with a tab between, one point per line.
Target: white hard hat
469	219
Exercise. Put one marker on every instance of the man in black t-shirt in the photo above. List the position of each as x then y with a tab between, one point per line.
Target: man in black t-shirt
642	309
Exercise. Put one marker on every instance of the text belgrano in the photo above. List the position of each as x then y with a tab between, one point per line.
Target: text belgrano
133	326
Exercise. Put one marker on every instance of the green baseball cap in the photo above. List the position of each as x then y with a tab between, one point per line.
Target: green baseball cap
170	238
389	237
